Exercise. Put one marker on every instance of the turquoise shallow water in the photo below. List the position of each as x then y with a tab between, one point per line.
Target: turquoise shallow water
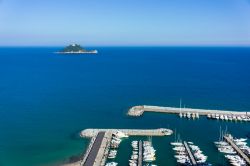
46	99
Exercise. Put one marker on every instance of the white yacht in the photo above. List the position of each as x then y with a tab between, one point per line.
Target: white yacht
176	143
120	134
111	164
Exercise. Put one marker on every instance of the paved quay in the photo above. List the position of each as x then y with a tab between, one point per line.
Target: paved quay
91	158
139	110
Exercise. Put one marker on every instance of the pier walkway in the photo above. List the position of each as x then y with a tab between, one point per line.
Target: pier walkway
87	151
130	132
237	149
90	160
139	110
190	154
140	154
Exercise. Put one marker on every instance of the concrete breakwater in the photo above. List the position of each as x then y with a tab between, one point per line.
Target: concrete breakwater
130	132
139	110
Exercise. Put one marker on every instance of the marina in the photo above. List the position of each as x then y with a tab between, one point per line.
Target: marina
103	140
191	113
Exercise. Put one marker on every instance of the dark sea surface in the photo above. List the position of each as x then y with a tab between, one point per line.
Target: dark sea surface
47	98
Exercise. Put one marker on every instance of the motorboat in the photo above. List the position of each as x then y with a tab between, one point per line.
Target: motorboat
120	134
111	164
176	143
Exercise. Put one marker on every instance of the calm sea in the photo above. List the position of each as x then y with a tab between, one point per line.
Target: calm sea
46	98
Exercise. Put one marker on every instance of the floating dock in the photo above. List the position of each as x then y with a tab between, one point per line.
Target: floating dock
140	154
139	110
130	132
237	149
190	154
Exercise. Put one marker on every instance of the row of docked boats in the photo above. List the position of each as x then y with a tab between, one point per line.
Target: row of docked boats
232	156
229	117
197	153
189	115
117	138
114	144
148	152
180	153
183	157
135	155
242	145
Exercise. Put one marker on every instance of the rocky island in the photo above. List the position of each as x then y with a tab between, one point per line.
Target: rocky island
76	49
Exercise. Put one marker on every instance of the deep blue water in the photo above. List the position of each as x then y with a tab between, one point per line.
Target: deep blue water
46	98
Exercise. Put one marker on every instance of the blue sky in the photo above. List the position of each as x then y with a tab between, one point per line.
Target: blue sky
124	22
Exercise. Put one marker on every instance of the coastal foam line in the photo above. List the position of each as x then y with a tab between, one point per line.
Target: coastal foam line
139	110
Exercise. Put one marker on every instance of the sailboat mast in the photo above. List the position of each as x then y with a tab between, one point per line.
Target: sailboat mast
180	105
220	134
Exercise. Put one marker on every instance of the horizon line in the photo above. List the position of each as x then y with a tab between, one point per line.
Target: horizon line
192	45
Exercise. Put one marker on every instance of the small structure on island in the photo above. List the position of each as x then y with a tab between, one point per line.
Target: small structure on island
76	49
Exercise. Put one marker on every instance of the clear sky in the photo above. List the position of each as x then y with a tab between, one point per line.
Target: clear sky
124	22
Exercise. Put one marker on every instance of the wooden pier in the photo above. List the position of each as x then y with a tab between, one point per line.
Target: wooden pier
237	149
190	154
139	110
140	154
130	132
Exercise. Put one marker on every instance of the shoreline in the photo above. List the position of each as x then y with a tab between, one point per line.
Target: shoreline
76	163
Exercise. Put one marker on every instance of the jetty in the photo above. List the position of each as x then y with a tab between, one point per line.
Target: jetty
88	133
237	149
96	153
140	154
190	154
139	110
